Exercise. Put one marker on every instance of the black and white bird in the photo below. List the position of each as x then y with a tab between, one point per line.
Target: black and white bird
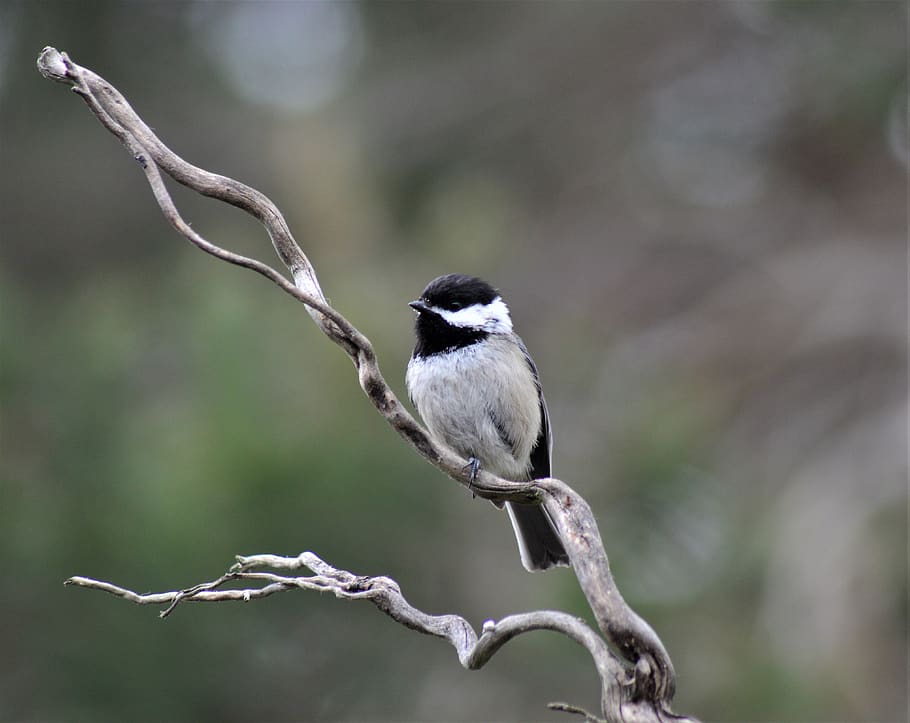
478	391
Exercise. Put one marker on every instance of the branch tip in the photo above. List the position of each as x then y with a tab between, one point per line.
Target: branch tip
54	65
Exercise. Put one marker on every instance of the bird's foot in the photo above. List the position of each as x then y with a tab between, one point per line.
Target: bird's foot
473	465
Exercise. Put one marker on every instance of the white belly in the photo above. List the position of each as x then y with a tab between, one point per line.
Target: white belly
482	402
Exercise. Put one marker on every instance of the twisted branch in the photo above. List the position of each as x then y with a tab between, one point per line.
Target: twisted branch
473	651
635	687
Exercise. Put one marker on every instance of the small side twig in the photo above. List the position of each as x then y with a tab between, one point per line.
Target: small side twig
575	710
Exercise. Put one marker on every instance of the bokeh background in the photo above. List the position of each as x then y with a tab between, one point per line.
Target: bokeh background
698	215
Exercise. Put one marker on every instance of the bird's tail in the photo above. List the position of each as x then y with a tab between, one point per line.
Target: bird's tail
538	543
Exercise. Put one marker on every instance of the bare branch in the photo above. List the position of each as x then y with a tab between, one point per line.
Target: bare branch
647	682
473	651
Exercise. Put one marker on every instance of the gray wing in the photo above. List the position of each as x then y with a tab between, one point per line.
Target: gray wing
538	541
541	455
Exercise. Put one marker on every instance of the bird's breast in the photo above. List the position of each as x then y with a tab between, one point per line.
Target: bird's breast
482	401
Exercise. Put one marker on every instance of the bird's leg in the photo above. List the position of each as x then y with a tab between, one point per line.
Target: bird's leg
474	466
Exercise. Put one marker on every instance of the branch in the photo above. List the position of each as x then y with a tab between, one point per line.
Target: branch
473	652
652	681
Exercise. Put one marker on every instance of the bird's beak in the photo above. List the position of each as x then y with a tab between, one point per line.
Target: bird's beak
418	305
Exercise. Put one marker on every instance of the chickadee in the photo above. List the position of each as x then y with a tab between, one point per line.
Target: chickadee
478	391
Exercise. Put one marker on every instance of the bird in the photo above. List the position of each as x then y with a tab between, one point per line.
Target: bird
478	391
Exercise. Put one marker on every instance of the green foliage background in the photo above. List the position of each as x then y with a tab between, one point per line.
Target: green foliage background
698	215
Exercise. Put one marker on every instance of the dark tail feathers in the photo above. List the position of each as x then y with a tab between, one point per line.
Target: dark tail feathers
538	543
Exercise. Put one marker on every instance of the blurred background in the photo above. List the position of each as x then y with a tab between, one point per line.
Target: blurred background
697	213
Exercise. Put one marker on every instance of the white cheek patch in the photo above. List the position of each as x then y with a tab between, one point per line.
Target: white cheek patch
493	317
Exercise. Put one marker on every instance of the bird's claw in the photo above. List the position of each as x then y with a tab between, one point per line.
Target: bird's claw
473	465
